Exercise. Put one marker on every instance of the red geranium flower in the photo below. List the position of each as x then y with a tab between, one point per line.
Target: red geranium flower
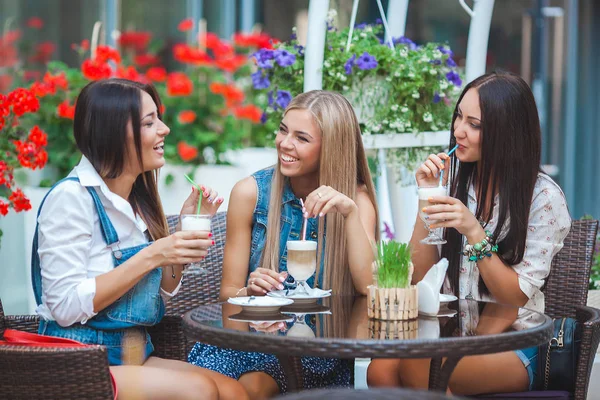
94	70
156	74
189	55
249	112
178	84
38	136
3	208
128	73
106	53
56	81
65	110
185	25
143	60
233	95
137	41
43	52
19	201
209	40
231	64
186	152
35	23
23	101
186	117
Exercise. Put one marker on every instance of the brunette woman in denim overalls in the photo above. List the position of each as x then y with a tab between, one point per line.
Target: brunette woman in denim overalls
103	262
322	161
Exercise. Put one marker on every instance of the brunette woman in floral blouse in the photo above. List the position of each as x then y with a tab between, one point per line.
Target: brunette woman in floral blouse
505	220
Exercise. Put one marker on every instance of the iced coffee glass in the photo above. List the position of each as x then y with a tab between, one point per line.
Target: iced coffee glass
195	222
424	194
301	261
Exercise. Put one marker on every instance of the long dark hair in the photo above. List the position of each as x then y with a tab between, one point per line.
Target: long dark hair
509	166
104	109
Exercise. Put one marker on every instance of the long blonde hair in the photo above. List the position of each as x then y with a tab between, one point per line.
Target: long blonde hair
343	166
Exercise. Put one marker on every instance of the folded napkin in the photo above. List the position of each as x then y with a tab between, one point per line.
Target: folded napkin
429	288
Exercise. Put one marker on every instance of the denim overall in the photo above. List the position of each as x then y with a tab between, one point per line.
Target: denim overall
318	372
141	306
290	225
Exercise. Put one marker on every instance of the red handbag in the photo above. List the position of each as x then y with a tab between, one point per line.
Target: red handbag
13	337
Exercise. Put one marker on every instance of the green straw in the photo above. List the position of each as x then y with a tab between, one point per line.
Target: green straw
199	189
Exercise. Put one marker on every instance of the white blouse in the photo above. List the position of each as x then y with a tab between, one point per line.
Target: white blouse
549	224
72	249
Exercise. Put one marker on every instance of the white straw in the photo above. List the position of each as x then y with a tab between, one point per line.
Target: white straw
305	222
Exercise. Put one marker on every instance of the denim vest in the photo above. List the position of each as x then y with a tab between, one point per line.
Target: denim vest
290	225
141	306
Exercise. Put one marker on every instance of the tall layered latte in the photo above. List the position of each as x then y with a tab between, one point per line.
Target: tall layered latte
424	194
301	259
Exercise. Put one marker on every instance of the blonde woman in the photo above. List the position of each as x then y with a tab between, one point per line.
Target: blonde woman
321	160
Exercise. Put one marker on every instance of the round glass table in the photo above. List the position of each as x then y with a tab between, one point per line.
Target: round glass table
338	327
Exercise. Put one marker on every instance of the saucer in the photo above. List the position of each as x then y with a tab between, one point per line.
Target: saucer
447	298
260	304
263	317
313	308
301	298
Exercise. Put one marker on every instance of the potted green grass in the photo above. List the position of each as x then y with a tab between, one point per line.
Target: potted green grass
392	297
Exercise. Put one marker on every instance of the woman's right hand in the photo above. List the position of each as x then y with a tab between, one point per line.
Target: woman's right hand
183	247
263	280
428	173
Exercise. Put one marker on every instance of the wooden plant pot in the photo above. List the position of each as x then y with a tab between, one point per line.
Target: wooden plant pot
393	304
385	330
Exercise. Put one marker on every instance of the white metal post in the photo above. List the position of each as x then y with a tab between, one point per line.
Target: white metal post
396	14
479	33
315	44
248	15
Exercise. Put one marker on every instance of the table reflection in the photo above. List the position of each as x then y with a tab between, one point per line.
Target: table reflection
346	317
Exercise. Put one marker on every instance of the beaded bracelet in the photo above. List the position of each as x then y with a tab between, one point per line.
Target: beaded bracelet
478	251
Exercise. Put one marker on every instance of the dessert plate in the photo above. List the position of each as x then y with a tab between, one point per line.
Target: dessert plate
260	304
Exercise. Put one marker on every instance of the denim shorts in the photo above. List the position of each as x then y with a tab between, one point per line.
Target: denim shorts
133	344
529	357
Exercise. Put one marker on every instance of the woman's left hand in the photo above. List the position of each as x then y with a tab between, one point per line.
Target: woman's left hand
326	199
210	201
448	212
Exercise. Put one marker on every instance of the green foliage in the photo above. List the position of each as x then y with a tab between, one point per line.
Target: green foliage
419	97
393	265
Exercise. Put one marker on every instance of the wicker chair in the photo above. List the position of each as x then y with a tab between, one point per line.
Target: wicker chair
378	394
566	294
51	373
70	373
201	289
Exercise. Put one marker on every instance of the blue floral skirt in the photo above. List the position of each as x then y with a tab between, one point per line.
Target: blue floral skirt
318	372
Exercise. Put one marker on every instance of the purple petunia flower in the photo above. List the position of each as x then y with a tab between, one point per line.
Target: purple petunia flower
445	50
436	98
294	36
349	64
362	25
283	98
300	49
264	58
378	21
263	118
284	58
388	231
454	78
260	80
404	40
450	62
366	61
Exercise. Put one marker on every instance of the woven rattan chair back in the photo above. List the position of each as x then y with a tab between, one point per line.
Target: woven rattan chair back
50	373
568	283
200	289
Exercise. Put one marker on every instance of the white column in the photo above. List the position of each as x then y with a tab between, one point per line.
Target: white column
396	15
315	44
248	15
479	33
